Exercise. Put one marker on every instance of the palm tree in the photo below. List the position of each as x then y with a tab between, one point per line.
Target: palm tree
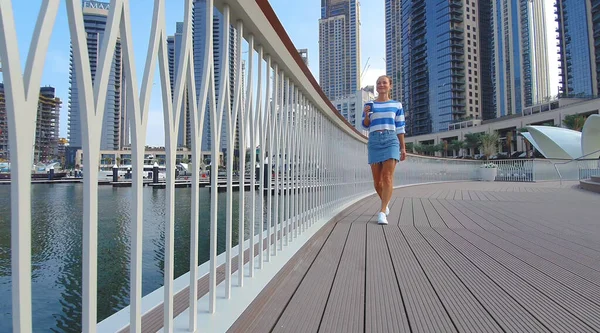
418	148
472	142
509	141
456	146
489	144
574	122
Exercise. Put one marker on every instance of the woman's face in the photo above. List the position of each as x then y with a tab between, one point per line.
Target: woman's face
383	86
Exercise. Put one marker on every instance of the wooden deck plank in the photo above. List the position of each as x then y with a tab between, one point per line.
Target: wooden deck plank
305	309
478	219
588	273
435	221
406	215
545	235
507	312
424	309
467	314
459	216
579	306
265	310
271	302
419	213
561	224
450	220
384	308
585	288
345	310
395	210
481	258
541	306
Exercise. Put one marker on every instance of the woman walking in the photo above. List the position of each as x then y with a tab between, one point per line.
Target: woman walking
384	118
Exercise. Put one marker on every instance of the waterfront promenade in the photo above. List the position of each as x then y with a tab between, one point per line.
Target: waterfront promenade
456	257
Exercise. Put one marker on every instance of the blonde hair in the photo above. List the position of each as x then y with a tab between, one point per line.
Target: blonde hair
389	94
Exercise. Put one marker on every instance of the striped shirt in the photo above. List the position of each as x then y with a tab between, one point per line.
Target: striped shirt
386	116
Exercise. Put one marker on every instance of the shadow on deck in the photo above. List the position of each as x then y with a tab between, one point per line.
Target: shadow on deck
456	257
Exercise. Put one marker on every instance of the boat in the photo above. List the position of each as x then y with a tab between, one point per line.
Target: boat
39	171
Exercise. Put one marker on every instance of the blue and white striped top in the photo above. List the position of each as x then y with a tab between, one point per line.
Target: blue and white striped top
386	116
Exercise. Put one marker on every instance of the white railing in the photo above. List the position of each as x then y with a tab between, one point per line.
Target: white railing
518	170
283	112
319	160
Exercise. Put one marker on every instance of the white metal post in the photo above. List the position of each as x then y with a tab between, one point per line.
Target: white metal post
216	119
21	98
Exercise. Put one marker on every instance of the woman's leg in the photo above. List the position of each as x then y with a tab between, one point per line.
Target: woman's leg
387	181
376	169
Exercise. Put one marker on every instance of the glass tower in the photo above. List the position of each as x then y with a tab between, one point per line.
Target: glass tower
115	125
339	48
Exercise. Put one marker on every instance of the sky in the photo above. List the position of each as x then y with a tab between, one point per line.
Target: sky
299	18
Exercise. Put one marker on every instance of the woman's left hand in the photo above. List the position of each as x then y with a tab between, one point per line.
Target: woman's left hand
402	154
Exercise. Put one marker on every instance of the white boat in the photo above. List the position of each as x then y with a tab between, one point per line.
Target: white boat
106	174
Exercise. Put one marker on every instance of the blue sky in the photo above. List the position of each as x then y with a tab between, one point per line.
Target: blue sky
300	19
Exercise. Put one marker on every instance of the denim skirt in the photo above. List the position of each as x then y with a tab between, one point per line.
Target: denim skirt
383	146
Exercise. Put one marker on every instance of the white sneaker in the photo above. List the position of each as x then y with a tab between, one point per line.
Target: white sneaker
382	219
387	210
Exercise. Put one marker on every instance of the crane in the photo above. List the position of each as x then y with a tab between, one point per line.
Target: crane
365	68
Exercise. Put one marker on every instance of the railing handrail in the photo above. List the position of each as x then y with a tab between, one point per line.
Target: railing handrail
572	160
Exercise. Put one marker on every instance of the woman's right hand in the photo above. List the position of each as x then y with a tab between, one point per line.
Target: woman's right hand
367	111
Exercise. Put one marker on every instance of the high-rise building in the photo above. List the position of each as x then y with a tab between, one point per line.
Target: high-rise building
339	48
521	55
579	47
4	144
46	141
437	57
199	45
115	124
393	45
304	55
465	59
351	107
174	45
46	129
487	100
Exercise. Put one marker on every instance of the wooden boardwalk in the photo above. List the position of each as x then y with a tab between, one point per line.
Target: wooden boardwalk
456	257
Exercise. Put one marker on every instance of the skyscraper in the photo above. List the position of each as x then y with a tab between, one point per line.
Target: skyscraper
339	48
174	44
579	46
465	59
47	125
432	55
393	46
115	134
304	55
46	128
521	55
199	45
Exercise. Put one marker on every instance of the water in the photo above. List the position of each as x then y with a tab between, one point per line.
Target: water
57	246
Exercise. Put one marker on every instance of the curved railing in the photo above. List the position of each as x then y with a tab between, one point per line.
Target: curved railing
317	161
